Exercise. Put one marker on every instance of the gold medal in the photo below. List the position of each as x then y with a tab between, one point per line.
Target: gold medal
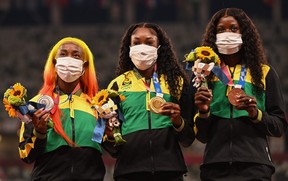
234	94
155	104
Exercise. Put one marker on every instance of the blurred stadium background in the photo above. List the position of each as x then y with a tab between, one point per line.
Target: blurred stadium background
28	29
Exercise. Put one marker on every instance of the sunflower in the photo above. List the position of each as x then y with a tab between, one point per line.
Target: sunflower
205	53
9	108
19	91
100	98
14	96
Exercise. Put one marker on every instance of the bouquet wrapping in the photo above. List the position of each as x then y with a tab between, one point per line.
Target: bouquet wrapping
106	103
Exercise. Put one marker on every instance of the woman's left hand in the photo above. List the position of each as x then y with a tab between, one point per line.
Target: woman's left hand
173	111
248	103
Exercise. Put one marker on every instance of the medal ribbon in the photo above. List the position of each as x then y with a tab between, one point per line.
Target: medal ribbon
241	79
242	76
226	72
155	83
56	100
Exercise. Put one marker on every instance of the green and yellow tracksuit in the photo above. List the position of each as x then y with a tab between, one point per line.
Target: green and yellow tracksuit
230	135
152	142
54	159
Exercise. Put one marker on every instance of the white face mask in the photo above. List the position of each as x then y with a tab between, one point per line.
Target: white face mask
228	43
143	56
69	69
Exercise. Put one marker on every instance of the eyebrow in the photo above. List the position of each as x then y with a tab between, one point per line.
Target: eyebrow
232	24
149	38
73	51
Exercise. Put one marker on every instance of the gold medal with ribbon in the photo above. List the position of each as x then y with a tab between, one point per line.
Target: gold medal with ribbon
155	104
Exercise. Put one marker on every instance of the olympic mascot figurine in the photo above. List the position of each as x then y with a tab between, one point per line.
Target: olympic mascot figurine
204	59
105	102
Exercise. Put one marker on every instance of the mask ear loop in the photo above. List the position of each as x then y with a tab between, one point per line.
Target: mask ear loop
84	67
83	72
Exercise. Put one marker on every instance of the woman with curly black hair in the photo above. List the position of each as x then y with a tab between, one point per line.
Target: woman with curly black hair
237	120
156	111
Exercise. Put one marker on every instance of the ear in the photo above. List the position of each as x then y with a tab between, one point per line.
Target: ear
54	61
85	64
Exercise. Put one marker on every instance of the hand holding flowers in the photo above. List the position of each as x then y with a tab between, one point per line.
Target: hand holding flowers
204	59
16	104
105	102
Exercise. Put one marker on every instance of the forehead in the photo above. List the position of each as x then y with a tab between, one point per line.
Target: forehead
70	46
227	20
144	32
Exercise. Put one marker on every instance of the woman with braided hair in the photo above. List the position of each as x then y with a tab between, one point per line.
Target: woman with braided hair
235	119
155	109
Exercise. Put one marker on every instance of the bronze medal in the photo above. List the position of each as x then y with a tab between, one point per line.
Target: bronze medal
47	101
234	94
155	104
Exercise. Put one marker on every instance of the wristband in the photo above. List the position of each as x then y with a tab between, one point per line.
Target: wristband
181	126
204	114
257	118
39	135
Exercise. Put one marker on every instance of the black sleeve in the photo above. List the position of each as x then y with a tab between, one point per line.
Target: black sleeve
273	121
30	147
186	136
201	125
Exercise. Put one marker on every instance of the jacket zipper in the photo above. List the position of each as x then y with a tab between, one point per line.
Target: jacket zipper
72	120
72	127
231	117
150	144
150	140
231	135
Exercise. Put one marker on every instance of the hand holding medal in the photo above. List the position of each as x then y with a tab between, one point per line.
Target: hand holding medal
242	101
234	94
173	111
237	95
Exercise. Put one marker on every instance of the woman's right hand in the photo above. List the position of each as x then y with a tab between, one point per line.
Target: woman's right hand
203	98
40	119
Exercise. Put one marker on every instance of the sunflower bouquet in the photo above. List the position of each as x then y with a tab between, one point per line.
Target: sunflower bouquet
105	102
14	97
201	61
17	106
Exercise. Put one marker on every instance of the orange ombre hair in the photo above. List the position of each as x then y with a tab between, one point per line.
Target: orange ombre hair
88	81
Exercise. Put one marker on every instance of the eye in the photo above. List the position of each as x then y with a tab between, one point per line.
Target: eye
77	56
234	29
63	54
150	43
135	43
220	30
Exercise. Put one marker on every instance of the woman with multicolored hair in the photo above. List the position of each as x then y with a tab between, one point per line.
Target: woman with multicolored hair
66	151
